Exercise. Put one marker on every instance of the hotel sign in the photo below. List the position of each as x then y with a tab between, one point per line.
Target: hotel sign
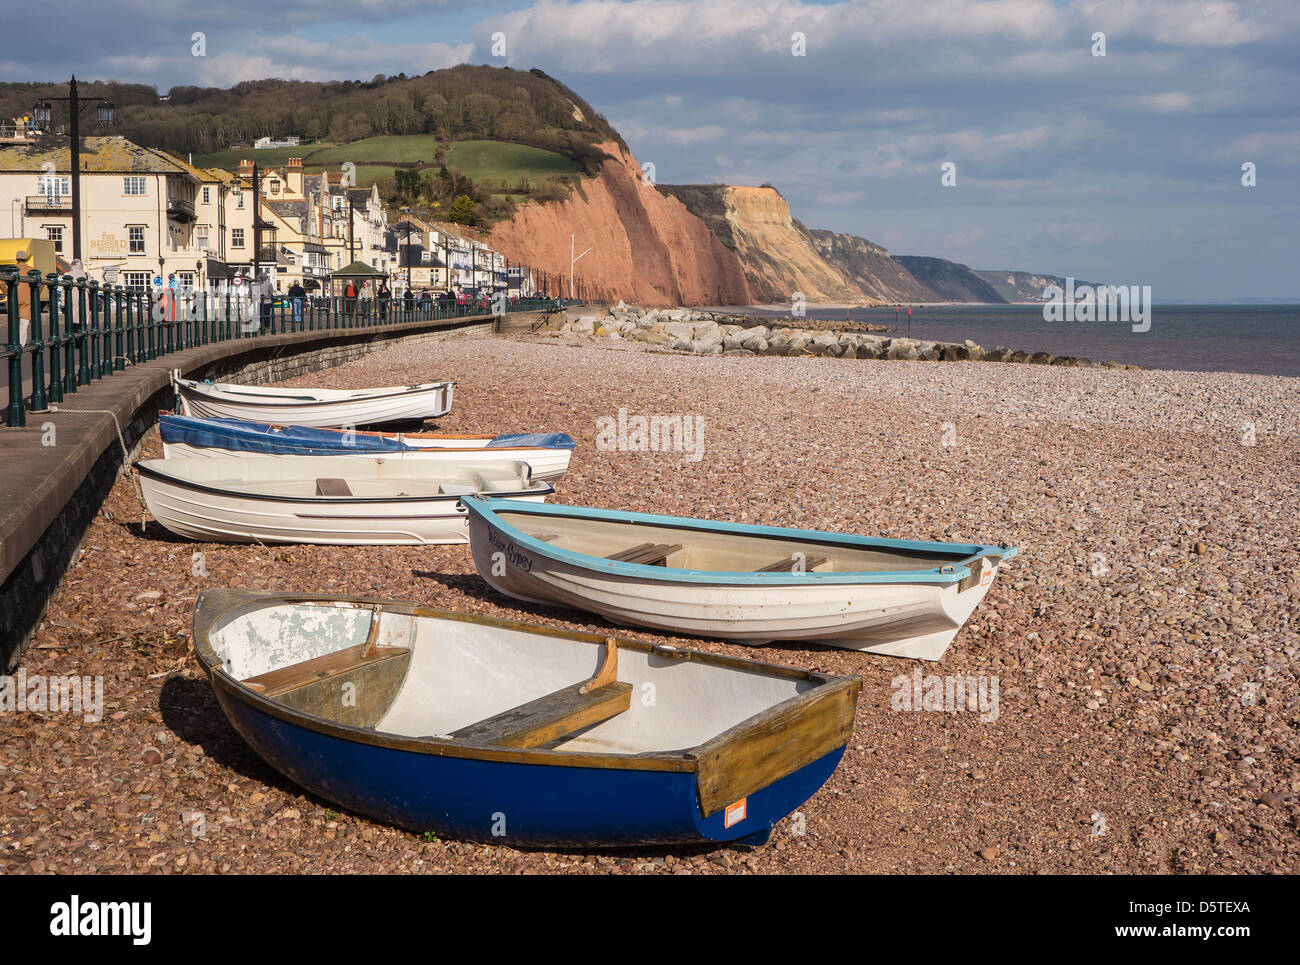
107	245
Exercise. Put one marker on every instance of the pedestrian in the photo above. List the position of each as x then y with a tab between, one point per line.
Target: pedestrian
384	297
409	299
297	294
350	298
265	293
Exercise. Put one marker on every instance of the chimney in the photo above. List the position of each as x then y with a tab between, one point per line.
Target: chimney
246	168
293	177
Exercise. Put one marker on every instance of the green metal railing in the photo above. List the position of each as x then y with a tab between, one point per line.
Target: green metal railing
81	331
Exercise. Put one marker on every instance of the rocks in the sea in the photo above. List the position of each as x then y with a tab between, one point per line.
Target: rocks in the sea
720	333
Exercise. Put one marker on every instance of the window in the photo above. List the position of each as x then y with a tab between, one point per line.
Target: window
136	237
139	280
236	237
239	199
201	237
53	186
54	233
185	278
207	195
134	184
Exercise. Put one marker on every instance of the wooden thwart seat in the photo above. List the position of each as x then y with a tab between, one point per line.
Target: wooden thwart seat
284	679
332	487
647	554
787	565
558	713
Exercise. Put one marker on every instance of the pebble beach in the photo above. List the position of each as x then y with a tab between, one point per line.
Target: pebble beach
1143	646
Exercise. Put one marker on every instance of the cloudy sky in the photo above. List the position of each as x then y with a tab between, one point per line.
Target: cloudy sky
1125	168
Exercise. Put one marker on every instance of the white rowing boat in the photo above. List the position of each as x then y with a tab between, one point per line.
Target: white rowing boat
547	454
753	584
341	500
475	727
310	406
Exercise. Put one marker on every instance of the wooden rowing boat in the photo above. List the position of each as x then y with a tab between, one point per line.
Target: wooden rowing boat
753	584
547	454
310	406
521	735
341	500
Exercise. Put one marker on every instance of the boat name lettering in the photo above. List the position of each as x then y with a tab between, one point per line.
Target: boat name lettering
513	553
521	560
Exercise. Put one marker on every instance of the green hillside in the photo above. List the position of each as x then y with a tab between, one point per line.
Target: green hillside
491	162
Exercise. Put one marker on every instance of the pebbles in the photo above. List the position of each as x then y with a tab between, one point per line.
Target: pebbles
1106	480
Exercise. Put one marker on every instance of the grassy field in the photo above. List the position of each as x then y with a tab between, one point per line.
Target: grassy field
411	148
491	162
271	157
488	163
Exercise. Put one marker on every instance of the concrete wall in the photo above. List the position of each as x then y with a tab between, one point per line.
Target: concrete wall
53	493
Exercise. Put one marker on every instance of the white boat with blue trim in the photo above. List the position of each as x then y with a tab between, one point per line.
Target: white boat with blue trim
751	584
547	453
334	500
305	406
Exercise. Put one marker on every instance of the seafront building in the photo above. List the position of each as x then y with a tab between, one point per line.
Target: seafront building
148	216
144	213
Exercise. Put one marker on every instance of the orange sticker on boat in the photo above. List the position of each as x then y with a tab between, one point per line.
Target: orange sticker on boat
987	578
735	813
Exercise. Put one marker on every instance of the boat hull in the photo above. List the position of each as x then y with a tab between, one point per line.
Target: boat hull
207	516
426	402
906	619
546	464
530	805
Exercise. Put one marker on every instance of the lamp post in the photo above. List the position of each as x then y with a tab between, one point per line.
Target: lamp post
573	261
106	115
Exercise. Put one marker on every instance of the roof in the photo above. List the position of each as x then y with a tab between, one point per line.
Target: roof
286	209
220	174
99	155
359	268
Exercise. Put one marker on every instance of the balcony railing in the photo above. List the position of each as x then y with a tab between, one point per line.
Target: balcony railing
48	203
180	209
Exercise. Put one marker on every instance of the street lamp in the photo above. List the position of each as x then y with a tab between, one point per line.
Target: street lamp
573	261
42	115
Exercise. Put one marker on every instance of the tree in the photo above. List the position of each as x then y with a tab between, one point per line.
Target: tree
463	211
408	183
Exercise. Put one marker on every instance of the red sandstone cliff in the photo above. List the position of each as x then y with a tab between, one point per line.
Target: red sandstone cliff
645	247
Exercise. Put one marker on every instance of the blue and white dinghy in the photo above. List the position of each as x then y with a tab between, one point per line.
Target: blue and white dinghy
546	453
521	735
752	584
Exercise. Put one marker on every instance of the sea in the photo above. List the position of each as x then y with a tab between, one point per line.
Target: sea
1262	339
